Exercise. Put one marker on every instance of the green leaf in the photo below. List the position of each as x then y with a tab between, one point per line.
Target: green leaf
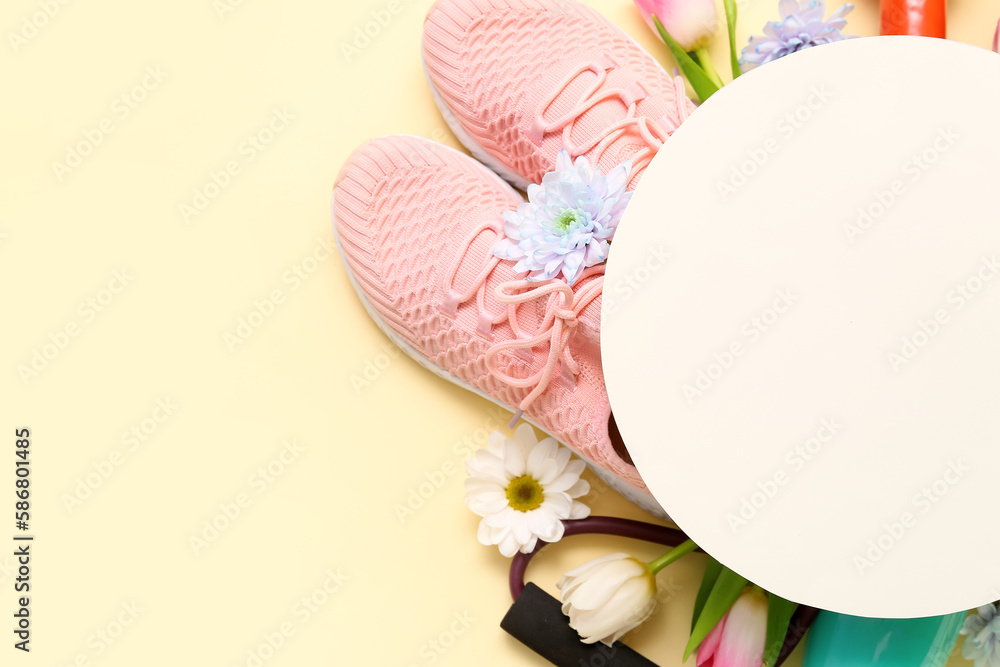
727	588
703	59
703	85
779	615
712	571
731	22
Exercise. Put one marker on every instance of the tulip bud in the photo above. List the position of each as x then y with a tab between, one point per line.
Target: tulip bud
607	597
691	22
738	639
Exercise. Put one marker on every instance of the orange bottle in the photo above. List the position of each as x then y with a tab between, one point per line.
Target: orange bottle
914	17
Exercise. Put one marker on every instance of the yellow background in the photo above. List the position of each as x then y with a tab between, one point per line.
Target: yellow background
126	274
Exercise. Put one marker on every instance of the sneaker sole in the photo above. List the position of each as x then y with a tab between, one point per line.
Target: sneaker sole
632	494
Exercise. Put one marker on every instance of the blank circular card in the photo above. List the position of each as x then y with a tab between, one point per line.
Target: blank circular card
801	330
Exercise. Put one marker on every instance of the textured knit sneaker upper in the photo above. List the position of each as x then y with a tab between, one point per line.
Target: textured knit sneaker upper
417	222
524	79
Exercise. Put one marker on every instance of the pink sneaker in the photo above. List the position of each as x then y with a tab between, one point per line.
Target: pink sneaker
520	80
416	224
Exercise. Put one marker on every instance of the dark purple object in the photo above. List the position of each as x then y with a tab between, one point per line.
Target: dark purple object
802	620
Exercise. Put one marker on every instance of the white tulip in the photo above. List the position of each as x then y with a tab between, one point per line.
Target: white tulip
607	597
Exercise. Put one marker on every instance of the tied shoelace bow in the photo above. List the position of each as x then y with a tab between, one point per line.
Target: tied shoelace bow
556	330
653	133
563	306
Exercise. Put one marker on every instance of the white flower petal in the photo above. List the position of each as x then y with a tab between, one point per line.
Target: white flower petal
529	546
569	477
524	435
576	466
562	457
558	503
513	460
495	443
485	463
617	178
508	545
488	502
595	253
572	271
575	577
487	535
563	483
581	488
547	471
545	525
597	591
519	527
579	511
552	472
590	566
484	484
504	249
641	615
630	605
501	518
540	453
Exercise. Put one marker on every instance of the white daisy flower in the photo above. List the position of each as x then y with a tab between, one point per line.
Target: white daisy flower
524	489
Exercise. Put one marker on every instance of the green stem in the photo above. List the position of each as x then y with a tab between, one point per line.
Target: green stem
706	64
673	555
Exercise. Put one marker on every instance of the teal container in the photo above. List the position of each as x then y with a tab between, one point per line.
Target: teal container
837	640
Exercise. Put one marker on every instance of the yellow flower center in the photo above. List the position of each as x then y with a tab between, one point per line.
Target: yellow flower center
525	493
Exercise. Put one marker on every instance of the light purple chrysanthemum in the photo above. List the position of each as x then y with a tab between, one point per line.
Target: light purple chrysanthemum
803	26
983	643
567	222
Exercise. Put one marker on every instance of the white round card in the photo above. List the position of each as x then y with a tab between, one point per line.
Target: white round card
801	330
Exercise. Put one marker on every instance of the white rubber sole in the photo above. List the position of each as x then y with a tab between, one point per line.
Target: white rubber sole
632	494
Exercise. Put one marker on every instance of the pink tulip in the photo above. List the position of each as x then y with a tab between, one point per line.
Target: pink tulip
738	639
691	22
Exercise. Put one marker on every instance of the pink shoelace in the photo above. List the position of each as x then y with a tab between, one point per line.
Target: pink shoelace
563	306
563	303
653	133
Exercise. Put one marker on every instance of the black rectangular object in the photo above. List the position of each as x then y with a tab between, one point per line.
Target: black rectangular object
537	621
